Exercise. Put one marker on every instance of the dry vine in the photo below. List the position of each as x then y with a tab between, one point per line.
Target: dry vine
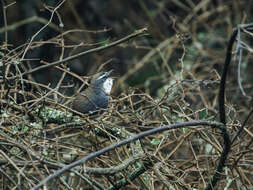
139	141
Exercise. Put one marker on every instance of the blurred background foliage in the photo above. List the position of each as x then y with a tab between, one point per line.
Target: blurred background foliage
187	39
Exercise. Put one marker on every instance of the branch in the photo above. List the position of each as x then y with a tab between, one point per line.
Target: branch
227	140
133	35
129	140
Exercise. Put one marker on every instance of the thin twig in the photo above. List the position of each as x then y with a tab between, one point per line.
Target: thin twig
127	141
50	20
133	35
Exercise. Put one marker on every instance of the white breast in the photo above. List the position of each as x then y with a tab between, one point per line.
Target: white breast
108	85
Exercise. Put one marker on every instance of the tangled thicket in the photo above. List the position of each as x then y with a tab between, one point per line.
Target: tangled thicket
40	133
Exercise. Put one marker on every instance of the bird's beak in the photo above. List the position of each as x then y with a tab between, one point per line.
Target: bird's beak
109	72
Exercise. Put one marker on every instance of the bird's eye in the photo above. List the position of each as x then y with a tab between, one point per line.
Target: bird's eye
103	75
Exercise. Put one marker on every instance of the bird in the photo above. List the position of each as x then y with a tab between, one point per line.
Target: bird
96	97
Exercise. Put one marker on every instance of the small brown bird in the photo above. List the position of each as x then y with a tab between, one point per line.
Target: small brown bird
96	96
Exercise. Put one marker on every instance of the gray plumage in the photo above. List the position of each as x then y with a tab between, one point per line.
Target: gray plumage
90	100
96	96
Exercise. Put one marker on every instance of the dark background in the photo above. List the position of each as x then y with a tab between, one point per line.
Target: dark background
201	28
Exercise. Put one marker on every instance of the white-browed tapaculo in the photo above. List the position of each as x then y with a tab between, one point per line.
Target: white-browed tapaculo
96	96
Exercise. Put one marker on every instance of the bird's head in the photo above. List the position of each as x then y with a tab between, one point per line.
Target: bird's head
103	81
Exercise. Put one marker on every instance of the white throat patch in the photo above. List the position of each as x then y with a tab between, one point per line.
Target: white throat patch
107	86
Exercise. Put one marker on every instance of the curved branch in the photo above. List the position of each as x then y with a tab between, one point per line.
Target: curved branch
129	140
227	141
